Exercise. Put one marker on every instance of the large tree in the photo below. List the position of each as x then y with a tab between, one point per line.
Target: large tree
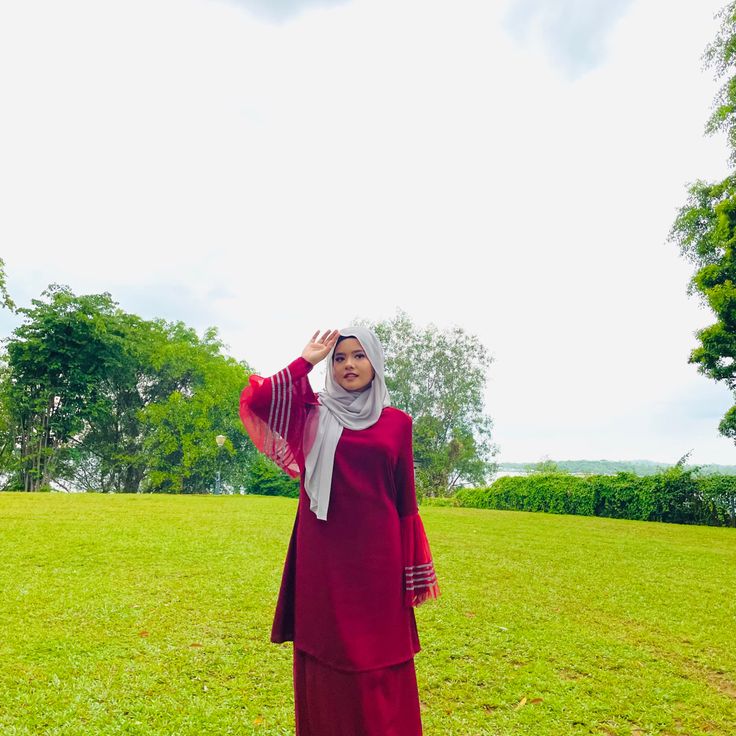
438	377
57	358
201	401
705	230
100	399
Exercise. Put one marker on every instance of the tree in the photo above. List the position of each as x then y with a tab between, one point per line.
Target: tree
265	478
8	460
180	428
546	467
99	399
438	377
705	230
5	300
108	452
56	359
721	57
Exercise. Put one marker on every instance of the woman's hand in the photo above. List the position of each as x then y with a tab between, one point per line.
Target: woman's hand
318	348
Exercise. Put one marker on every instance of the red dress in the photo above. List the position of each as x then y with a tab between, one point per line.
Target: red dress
350	582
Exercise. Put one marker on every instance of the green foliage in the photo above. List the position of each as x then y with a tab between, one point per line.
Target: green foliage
5	300
718	500
98	399
720	56
267	479
57	359
201	401
545	466
8	456
438	377
552	492
609	467
675	495
705	229
706	232
621	496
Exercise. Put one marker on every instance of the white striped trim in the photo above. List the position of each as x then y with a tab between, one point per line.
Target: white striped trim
419	567
285	415
279	419
277	414
419	586
268	449
418	577
277	407
424	576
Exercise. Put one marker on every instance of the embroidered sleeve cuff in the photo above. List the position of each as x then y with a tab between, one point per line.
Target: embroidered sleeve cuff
420	579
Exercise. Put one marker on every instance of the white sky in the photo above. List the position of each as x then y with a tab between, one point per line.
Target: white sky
510	167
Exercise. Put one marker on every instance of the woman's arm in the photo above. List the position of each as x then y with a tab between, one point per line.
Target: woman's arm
420	578
273	409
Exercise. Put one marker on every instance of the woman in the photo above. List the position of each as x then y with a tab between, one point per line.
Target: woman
358	560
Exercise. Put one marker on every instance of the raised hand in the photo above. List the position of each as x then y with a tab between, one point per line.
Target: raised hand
318	348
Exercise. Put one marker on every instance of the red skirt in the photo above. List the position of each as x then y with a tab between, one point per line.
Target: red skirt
329	702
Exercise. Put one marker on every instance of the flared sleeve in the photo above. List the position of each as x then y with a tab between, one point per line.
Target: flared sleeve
420	578
274	412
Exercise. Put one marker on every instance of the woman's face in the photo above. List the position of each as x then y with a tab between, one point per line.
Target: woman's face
350	366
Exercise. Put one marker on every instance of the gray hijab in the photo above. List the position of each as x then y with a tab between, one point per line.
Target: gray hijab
340	408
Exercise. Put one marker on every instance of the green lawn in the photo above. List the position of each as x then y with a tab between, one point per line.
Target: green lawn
151	615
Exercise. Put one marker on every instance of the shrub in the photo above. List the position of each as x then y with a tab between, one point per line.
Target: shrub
674	495
717	495
265	478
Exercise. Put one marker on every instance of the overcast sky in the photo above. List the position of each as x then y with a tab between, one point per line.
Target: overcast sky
276	167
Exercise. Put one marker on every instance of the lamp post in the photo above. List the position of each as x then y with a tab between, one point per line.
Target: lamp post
220	439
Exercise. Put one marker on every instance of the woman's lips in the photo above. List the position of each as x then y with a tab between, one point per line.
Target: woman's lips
351	375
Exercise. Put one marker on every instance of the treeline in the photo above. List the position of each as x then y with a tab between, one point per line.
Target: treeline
676	495
93	398
611	467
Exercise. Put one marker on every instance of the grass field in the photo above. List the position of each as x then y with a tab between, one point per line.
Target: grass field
151	615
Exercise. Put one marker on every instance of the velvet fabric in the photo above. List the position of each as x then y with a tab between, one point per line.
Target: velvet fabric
382	702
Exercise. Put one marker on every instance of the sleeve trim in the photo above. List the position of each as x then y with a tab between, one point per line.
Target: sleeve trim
419	576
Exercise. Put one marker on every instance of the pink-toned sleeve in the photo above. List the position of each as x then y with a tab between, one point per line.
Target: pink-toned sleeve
274	410
420	578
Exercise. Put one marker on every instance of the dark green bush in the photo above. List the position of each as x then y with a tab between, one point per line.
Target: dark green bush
674	495
554	492
267	479
717	500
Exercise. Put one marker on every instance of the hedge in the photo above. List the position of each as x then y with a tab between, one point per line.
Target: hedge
674	495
